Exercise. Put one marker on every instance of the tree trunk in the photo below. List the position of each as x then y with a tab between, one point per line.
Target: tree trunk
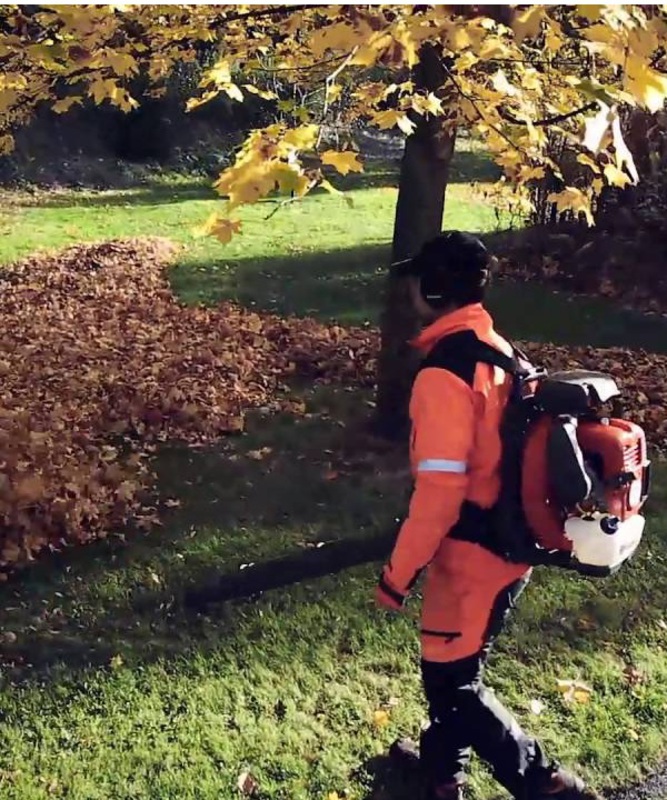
419	209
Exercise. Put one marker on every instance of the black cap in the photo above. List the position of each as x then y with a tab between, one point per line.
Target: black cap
452	267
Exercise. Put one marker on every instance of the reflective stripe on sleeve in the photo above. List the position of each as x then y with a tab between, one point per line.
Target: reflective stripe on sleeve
442	465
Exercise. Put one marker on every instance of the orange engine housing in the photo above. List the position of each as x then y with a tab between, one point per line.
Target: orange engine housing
614	449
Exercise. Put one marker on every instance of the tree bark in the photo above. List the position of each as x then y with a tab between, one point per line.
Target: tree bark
419	210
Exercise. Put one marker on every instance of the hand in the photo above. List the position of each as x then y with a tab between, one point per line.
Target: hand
388	596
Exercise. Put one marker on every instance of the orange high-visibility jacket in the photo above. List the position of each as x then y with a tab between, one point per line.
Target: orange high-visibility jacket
455	446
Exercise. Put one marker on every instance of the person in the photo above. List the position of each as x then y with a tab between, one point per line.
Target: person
469	590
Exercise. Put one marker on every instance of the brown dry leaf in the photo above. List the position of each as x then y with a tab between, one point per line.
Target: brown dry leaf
331	475
109	453
247	784
258	455
586	624
29	489
633	676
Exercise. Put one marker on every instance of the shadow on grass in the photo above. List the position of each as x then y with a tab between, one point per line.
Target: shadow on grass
467	167
348	285
161	192
343	284
152	193
237	505
89	604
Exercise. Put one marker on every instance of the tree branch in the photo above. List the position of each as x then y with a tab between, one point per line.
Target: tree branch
273	11
480	114
541	123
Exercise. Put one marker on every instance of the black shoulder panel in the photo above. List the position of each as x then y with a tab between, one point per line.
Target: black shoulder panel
459	353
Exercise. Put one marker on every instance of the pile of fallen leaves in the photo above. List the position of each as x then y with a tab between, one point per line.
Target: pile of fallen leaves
624	261
99	362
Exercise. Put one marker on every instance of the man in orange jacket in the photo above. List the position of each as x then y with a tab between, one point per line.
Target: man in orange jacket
456	410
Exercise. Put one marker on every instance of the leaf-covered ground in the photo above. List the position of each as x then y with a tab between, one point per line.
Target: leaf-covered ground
101	361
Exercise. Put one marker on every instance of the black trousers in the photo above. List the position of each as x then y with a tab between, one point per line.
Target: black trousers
465	716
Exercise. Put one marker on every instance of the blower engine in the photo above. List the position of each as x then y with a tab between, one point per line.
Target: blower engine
585	473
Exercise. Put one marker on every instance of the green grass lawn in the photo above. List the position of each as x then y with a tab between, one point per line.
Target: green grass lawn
108	691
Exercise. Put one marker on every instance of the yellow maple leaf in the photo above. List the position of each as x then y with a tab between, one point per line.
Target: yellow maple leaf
428	104
526	24
615	176
528	173
219	227
302	138
494	47
367	54
265	94
459	38
408	46
63	105
102	89
587	161
554	36
597	185
219	74
648	85
290	178
121	63
195	102
6	143
333	92
343	162
232	91
572	199
391	118
339	36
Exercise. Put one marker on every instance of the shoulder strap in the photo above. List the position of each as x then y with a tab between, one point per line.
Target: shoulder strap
460	353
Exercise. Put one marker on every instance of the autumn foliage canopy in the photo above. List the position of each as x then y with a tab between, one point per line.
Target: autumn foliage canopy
513	75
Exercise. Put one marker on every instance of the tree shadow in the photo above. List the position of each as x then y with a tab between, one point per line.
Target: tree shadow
345	284
230	506
389	782
163	191
151	193
467	167
348	285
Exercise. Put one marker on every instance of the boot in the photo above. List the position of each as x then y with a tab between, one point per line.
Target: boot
404	753
563	785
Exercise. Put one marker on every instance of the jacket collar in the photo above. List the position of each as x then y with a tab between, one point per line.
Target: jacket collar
472	317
